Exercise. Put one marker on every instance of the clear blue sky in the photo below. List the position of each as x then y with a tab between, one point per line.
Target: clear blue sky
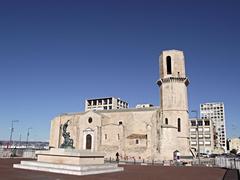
56	54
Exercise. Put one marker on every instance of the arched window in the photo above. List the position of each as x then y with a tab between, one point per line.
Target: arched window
169	65
88	141
179	125
166	120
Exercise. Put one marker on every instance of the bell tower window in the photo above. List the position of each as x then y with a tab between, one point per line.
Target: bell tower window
166	120
169	65
179	125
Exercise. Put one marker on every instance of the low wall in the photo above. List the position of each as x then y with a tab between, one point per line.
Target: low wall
25	153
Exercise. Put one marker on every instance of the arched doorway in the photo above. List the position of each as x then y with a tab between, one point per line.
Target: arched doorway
88	141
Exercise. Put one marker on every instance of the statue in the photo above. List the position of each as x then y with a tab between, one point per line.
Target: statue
68	142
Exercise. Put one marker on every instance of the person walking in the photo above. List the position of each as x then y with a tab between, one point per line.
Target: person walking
117	157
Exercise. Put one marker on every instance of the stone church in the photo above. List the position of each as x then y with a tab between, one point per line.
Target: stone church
139	133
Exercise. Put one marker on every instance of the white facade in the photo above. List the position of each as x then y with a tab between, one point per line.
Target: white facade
144	105
234	143
107	103
215	112
202	135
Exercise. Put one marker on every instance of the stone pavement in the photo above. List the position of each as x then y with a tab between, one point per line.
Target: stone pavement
131	172
231	174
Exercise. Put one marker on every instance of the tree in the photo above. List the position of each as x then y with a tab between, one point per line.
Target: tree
233	151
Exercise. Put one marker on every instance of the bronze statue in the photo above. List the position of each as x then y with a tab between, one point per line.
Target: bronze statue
68	142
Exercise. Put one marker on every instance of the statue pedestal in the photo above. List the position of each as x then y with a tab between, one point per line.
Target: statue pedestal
70	156
69	161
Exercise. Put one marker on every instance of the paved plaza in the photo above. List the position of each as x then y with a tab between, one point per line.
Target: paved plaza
131	172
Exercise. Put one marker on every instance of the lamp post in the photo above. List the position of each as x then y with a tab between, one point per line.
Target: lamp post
11	132
27	137
197	129
20	140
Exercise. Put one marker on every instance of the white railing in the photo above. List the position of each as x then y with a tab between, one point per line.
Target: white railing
231	163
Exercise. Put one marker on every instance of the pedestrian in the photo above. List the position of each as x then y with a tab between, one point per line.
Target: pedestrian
117	157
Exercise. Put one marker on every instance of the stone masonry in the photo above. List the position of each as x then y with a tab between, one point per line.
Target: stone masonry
138	133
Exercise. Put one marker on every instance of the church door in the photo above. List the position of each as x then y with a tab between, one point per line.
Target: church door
88	141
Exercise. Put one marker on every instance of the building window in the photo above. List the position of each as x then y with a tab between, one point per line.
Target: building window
105	101
89	103
193	123
169	65
179	125
166	120
137	141
200	123
90	120
120	122
118	137
105	136
207	123
88	141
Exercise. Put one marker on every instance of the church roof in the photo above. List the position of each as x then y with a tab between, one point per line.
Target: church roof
99	112
82	113
129	109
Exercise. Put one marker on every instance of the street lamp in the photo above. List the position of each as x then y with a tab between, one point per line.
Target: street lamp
197	129
20	140
28	136
11	132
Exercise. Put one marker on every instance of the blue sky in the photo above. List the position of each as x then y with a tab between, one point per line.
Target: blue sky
56	54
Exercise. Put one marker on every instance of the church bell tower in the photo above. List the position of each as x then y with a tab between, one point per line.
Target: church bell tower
173	84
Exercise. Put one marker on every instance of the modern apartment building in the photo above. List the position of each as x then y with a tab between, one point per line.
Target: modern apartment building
215	112
105	104
201	135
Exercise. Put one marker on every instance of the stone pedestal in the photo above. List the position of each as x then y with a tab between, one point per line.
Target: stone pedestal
70	156
69	161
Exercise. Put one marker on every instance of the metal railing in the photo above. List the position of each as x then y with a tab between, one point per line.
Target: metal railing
133	161
226	162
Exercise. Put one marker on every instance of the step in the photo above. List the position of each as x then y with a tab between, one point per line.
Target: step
69	167
68	171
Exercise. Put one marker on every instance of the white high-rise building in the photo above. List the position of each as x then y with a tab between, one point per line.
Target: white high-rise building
215	112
